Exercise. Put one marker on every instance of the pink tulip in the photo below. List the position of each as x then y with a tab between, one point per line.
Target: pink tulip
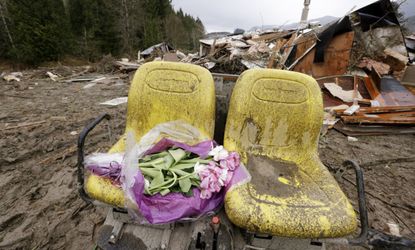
218	153
230	162
229	178
217	173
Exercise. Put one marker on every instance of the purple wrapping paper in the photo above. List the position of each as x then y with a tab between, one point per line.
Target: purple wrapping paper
158	209
112	171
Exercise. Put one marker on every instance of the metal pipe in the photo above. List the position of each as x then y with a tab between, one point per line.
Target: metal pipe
364	222
304	14
81	155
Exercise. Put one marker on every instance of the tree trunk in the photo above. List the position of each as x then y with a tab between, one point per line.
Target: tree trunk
127	46
6	27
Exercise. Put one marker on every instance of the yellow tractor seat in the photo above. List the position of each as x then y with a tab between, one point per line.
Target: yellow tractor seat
274	122
161	92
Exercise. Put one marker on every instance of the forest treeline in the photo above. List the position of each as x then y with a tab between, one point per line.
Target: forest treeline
32	32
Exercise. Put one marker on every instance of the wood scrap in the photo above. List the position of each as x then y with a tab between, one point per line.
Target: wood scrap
373	90
24	125
272	36
287	50
396	60
126	66
351	110
393	118
344	95
370	64
212	48
375	110
355	90
365	101
275	51
86	70
372	129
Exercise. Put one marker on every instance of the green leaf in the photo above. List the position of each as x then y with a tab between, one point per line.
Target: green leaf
158	155
159	166
168	161
171	181
185	185
177	154
158	179
179	172
145	158
164	191
183	166
149	172
152	162
194	160
158	161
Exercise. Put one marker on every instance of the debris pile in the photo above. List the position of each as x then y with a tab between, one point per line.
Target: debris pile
13	76
359	61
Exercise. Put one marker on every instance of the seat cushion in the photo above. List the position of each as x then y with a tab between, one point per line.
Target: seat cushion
286	199
161	92
102	189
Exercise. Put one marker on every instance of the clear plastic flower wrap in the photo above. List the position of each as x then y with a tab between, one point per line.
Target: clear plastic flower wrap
173	173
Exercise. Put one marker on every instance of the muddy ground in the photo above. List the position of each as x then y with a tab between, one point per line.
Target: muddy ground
40	121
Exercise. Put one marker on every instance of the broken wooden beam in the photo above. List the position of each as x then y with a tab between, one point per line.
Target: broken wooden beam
385	118
376	110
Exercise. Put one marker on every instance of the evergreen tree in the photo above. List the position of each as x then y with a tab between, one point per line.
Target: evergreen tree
4	42
153	25
45	30
39	29
94	24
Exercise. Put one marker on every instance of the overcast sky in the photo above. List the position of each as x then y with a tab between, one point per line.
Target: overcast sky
226	15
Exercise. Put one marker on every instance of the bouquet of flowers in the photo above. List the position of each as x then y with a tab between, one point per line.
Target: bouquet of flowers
177	170
173	173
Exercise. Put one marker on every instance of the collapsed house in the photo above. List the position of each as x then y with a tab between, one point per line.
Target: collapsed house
359	61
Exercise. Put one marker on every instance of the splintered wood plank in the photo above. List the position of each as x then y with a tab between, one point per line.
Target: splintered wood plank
271	36
375	129
388	118
276	50
375	110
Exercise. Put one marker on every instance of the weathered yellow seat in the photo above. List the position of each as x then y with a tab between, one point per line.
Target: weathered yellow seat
161	92
274	122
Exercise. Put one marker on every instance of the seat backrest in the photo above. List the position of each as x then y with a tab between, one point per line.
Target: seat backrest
274	113
169	91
